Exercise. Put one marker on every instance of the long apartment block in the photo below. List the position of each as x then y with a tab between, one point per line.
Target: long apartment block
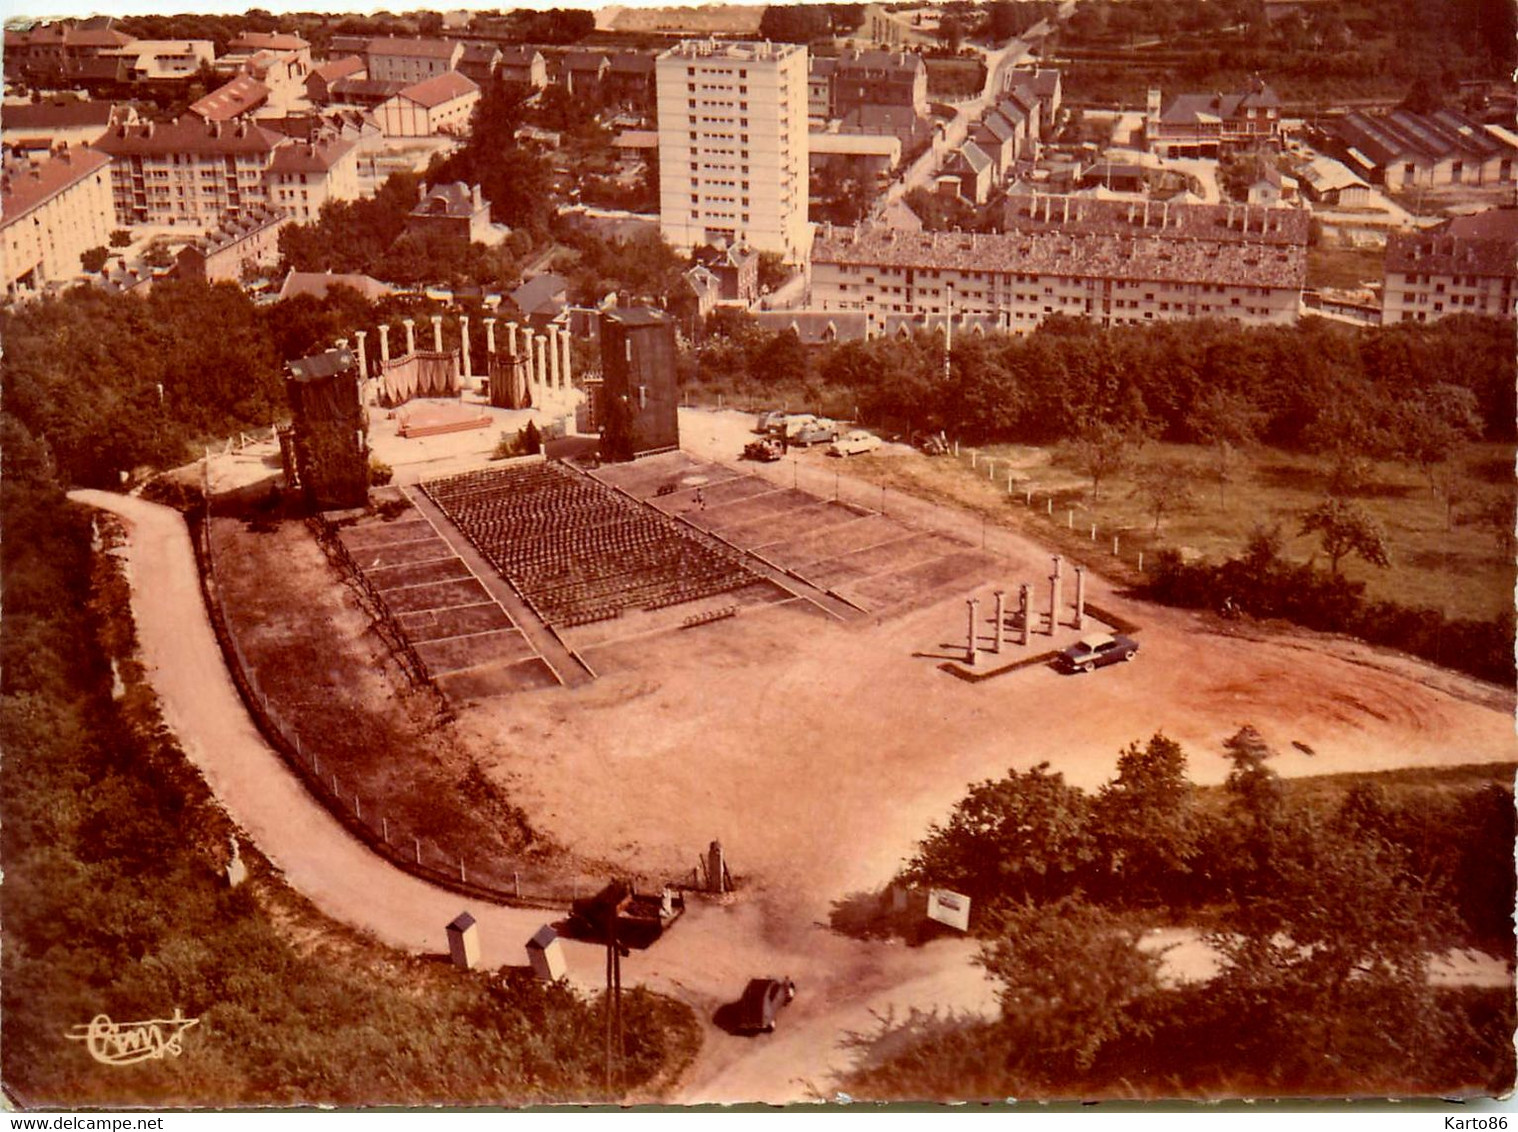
1117	262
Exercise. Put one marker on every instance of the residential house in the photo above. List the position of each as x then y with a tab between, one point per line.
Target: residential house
583	73
1467	265
1115	262
998	138
454	209
479	62
541	299
631	81
879	78
152	60
1044	86
973	168
819	89
52	210
870	157
321	79
736	268
48	52
1201	125
304	176
240	246
523	64
439	105
392	59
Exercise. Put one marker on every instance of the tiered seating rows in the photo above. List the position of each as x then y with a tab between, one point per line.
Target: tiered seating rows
577	550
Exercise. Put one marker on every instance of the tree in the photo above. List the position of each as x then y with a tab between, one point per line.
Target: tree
1071	980
120	238
93	259
1431	425
1101	450
1145	821
781	358
1343	529
1025	837
1227	421
1165	489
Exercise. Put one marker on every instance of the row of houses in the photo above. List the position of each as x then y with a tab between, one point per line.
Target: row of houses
1009	132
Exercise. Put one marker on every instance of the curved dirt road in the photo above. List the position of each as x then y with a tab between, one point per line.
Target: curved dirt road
704	960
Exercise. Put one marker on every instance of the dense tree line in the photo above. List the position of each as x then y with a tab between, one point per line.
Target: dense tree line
803	23
1323	916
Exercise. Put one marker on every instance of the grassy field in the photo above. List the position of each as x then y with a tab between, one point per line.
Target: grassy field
955	78
1463	570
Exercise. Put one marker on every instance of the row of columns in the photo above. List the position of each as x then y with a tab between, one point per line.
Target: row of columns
546	356
1024	592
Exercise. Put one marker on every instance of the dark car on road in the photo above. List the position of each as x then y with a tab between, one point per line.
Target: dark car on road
1097	651
762	1000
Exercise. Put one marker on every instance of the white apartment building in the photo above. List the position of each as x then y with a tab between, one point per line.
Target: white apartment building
187	171
1116	263
1468	265
52	210
733	145
303	176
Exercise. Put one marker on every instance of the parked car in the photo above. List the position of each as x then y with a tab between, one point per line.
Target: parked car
769	422
795	423
1097	651
853	443
762	1000
766	451
819	432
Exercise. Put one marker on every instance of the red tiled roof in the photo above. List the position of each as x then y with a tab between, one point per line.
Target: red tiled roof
25	185
317	157
1485	243
425	48
44	116
233	99
439	89
272	41
339	68
1200	245
187	135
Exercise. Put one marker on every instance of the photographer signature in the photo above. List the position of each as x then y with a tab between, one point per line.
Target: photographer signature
122	1043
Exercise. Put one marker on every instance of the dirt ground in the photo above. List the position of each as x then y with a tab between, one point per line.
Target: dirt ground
818	752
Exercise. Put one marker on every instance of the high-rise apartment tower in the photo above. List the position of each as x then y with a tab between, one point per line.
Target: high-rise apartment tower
733	145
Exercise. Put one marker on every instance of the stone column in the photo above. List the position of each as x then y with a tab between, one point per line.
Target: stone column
511	339
490	336
1024	609
1056	584
1001	613
972	651
465	365
384	344
410	325
532	373
363	359
564	368
540	345
437	333
551	344
1080	597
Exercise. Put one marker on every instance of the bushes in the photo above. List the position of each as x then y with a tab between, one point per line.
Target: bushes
1261	584
1323	913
